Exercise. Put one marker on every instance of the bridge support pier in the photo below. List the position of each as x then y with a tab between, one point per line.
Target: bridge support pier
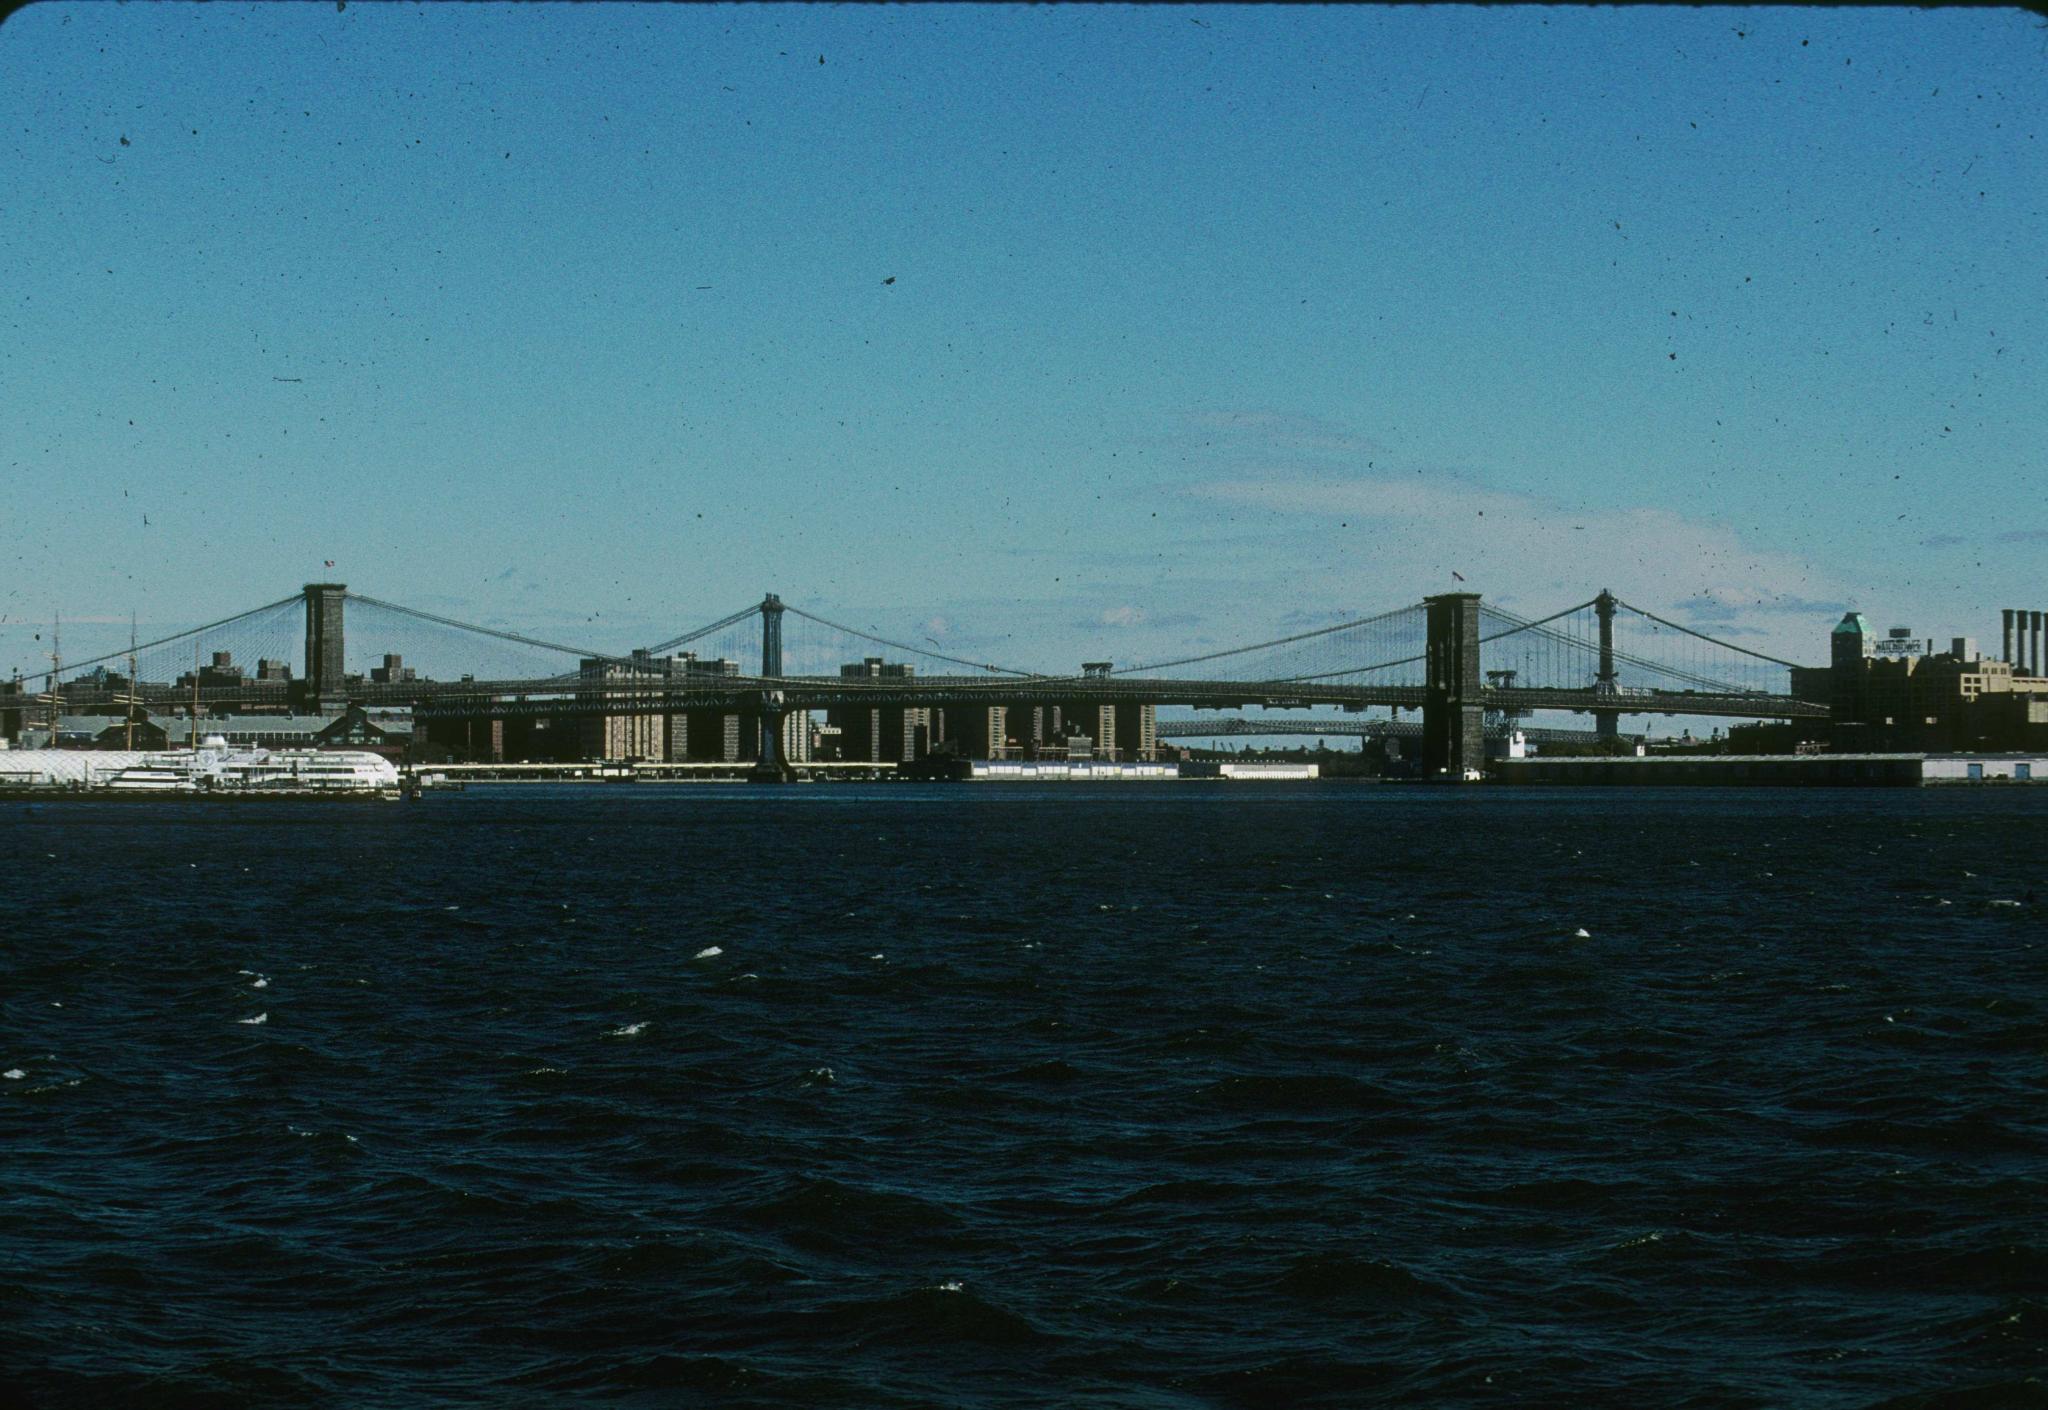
1606	723
1453	710
769	765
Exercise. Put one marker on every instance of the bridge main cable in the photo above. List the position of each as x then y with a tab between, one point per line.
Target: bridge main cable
1659	667
577	651
1420	656
1277	641
718	626
1715	641
914	650
178	636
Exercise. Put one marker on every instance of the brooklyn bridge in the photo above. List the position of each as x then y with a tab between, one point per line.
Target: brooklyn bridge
1454	658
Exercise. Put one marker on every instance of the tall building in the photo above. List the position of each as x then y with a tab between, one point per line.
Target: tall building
648	732
796	737
973	731
881	733
1848	650
1137	731
710	736
13	701
1900	693
1126	731
631	733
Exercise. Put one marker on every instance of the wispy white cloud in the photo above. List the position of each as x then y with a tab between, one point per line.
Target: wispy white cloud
1416	531
1423	528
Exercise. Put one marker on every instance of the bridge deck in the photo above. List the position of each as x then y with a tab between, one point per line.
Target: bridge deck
570	696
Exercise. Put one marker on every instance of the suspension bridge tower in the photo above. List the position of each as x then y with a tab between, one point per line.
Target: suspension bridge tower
1606	723
769	766
1453	702
324	642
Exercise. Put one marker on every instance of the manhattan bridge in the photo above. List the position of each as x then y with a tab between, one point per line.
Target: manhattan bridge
1453	657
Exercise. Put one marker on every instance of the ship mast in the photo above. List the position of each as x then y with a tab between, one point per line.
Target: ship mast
131	681
56	671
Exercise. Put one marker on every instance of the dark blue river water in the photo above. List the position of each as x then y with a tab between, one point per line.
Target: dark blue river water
1154	1096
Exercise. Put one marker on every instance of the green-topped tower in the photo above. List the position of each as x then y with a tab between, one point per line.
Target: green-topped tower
1849	645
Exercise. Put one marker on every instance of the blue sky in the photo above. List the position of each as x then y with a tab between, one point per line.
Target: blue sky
1205	322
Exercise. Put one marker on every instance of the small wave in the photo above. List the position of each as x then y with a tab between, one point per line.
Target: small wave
820	1211
2025	1394
1303	1092
259	1018
628	1030
2008	1334
651	1257
13	1074
946	1314
1336	1276
1208	1194
667	1372
1566	1193
710	952
1659	1246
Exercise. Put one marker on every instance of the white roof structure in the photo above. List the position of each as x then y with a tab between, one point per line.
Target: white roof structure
213	766
59	768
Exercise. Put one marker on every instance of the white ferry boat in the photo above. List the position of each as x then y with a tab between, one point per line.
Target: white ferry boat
213	766
310	769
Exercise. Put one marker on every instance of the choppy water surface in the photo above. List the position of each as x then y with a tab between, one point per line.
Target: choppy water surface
1156	1097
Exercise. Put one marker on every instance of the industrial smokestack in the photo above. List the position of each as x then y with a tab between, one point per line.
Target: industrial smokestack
2007	654
2034	658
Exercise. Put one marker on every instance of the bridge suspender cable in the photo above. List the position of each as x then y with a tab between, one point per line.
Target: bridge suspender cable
1630	658
1523	626
1277	641
1411	660
481	631
718	626
1715	641
914	650
180	636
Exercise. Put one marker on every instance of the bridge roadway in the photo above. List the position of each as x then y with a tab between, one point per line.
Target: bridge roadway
1237	727
574	696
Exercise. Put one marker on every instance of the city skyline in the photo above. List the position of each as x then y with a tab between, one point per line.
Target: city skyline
1070	331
